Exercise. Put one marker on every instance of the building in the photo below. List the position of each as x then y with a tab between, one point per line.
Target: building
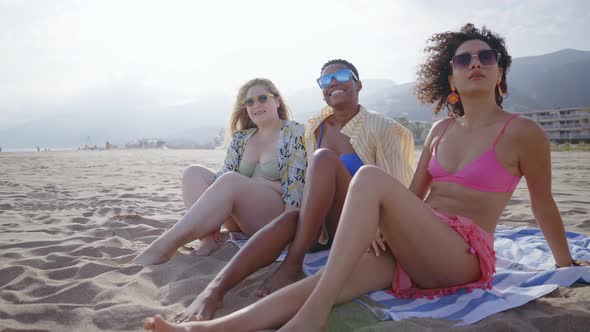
564	125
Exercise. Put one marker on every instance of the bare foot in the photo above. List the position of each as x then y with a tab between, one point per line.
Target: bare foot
285	274
152	255
159	324
207	245
202	308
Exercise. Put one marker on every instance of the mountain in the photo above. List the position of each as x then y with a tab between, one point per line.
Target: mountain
552	80
557	79
76	128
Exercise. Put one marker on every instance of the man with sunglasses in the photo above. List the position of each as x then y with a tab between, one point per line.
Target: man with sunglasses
345	136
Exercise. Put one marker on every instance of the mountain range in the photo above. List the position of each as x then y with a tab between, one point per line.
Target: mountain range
553	80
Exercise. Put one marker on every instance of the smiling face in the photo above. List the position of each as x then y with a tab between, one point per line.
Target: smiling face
475	78
262	112
337	94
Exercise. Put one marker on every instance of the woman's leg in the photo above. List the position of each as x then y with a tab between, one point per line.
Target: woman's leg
433	254
262	249
195	180
371	273
250	202
326	184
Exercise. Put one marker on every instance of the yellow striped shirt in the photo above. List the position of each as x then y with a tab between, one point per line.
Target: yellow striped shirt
377	140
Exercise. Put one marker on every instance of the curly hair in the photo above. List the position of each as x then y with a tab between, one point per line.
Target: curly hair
342	62
433	85
239	119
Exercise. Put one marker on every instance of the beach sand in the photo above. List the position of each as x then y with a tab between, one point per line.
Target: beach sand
69	219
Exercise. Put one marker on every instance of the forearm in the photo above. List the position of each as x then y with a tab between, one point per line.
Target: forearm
551	224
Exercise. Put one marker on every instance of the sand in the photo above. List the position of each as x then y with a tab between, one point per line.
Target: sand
69	219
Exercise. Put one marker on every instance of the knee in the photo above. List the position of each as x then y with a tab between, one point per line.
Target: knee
372	178
230	184
369	173
197	173
323	157
230	178
235	182
367	177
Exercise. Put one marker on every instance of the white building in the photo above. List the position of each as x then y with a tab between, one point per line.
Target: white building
564	124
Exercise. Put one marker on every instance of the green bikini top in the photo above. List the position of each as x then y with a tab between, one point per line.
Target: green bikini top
268	170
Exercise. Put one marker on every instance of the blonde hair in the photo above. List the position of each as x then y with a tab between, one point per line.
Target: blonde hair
239	119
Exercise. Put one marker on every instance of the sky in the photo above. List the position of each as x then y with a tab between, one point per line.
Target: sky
147	54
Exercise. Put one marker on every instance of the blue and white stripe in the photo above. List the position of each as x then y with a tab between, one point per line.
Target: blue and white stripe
524	272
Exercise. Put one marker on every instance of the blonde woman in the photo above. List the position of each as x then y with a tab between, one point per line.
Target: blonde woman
262	176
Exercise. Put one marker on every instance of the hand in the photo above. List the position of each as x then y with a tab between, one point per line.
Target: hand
379	244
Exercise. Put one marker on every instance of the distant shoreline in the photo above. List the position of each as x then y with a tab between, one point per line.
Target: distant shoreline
28	150
554	147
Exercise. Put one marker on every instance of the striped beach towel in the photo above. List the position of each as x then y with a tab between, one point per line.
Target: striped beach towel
524	272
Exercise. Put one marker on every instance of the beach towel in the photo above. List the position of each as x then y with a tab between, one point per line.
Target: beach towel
524	272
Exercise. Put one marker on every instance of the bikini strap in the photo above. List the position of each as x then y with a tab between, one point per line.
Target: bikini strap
504	128
321	134
443	132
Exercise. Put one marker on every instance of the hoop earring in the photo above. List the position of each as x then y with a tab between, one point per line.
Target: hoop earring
500	89
453	98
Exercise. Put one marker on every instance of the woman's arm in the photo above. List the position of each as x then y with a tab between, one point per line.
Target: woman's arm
422	179
535	165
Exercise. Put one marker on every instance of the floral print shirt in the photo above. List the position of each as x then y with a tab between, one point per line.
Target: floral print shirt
291	156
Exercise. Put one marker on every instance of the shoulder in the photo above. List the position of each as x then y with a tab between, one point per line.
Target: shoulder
525	126
522	129
437	129
439	126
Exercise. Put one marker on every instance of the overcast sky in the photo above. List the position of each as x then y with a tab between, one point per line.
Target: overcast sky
166	52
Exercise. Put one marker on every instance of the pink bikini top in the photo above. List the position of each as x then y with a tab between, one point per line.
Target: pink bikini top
483	174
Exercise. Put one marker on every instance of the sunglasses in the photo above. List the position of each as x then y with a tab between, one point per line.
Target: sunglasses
341	76
486	58
249	102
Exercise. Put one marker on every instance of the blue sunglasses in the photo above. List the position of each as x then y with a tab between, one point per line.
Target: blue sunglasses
341	76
